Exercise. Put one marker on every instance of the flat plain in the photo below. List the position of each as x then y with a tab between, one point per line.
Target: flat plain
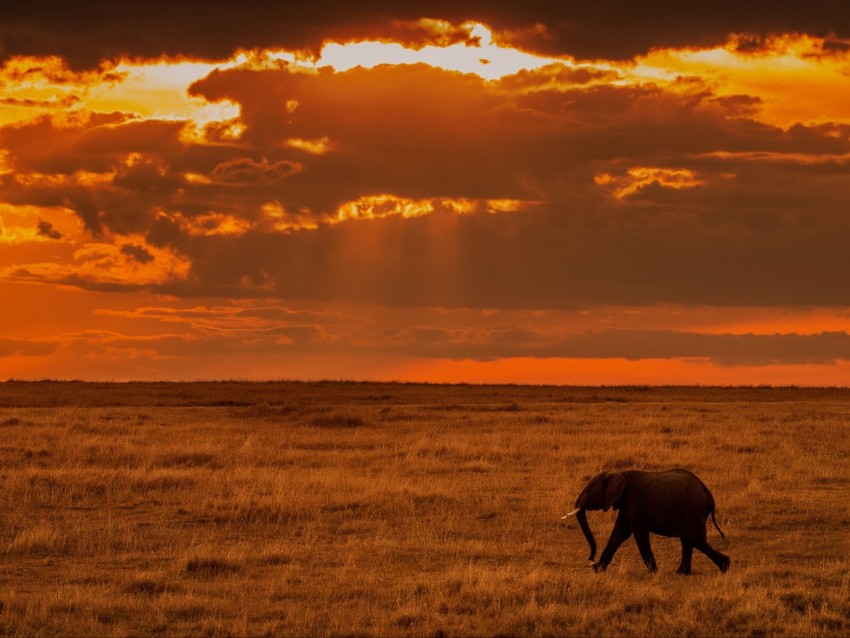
339	508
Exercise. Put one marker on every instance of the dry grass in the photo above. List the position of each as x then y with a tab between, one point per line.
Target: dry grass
382	509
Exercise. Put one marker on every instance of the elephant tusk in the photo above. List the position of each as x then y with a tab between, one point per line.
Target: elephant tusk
573	513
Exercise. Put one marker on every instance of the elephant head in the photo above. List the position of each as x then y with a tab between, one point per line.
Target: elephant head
601	493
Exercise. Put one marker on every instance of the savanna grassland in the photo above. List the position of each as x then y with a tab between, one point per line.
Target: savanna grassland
398	509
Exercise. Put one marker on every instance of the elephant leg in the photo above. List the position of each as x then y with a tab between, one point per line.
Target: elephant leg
721	560
687	552
642	540
622	530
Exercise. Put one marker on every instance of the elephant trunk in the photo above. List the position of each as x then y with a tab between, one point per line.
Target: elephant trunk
581	517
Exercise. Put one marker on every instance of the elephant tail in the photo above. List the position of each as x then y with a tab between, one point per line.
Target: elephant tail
714	520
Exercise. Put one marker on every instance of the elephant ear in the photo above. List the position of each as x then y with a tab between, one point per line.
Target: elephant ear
615	483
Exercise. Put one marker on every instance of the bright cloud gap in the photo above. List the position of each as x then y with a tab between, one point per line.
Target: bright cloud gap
487	59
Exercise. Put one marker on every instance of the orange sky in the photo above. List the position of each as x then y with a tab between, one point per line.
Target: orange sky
456	194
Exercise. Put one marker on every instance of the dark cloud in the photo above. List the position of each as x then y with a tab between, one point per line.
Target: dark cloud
87	32
73	280
754	224
720	349
165	231
195	345
97	144
47	230
742	235
541	260
149	136
459	343
91	216
741	105
248	171
139	253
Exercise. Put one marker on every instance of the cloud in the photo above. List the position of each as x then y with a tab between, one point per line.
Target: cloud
623	193
27	347
248	171
139	253
93	144
721	349
422	333
168	346
105	266
88	34
238	318
233	334
47	230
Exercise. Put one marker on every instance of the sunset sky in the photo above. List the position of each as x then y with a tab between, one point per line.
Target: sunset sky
533	192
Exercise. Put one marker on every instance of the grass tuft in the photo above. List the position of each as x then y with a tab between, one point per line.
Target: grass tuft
337	421
42	539
268	412
147	587
188	460
210	567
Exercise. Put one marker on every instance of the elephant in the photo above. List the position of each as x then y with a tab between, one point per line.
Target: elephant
671	503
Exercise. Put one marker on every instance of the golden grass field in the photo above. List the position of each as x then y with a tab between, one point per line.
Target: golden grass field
400	509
